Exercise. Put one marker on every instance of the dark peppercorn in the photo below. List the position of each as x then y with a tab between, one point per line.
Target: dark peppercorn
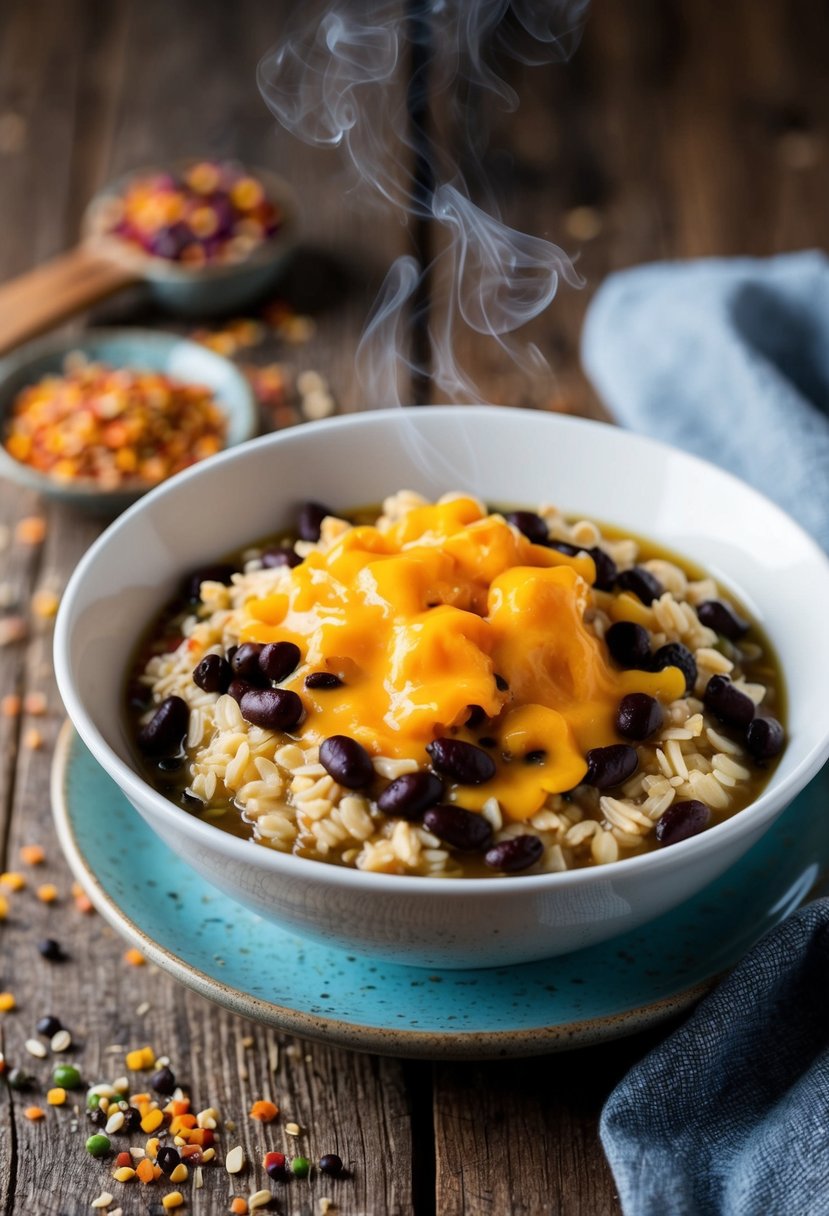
49	1025
168	1158
51	950
331	1164
163	1081
20	1080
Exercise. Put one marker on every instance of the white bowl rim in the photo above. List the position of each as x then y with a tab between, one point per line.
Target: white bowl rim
288	864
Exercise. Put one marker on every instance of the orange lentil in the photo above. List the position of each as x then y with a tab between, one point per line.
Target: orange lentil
33	740
32	854
134	958
239	1206
11	705
264	1111
152	1120
34	1113
45	604
140	1059
145	1171
31	530
47	893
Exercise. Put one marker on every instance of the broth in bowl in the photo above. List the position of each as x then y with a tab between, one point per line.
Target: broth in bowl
447	690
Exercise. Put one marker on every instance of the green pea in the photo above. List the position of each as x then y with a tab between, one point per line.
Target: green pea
67	1076
98	1146
93	1101
300	1167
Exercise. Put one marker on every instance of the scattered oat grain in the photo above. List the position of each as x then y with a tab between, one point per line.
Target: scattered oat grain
293	1129
235	1159
103	1200
34	1113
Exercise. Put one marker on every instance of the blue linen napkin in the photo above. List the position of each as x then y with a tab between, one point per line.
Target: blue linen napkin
729	359
730	1114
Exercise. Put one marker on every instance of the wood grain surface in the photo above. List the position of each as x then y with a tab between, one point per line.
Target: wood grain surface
680	128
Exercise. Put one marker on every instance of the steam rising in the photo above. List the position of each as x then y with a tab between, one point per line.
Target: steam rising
336	80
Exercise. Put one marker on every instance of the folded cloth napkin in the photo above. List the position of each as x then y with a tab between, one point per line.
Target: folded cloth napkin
730	360
730	1115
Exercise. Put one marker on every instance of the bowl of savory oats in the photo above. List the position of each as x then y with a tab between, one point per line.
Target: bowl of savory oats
452	686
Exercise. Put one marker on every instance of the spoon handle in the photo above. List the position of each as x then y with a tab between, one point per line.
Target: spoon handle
55	291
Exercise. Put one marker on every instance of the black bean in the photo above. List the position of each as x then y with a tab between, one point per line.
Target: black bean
168	1158
322	679
530	525
279	556
468	831
727	703
410	795
278	659
514	855
682	820
238	688
273	708
97	1117
51	950
463	762
562	546
605	569
170	764
764	738
164	734
609	766
674	654
476	717
309	520
638	716
163	1081
213	674
347	761
722	619
132	1119
641	583
331	1164
220	572
49	1025
245	662
629	644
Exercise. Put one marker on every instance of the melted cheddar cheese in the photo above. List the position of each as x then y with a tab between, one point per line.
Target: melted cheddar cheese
419	618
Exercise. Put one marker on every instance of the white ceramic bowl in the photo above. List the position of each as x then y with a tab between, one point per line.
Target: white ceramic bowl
504	456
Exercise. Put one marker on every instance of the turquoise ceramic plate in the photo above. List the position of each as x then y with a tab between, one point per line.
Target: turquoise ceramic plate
256	969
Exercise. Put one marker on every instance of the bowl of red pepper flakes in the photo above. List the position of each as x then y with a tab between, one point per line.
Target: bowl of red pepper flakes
96	420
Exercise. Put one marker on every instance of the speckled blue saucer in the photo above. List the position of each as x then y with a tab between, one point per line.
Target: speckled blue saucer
261	971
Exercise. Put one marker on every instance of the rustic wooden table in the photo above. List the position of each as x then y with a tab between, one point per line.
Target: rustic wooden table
678	130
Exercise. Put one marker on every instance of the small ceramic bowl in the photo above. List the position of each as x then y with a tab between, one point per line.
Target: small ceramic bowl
200	291
134	348
506	456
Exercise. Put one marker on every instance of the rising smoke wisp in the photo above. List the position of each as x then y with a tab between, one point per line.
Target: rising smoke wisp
337	78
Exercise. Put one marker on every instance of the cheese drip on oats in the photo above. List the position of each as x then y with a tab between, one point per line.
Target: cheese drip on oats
420	618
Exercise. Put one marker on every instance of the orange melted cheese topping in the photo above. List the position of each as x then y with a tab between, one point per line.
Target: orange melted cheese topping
419	618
